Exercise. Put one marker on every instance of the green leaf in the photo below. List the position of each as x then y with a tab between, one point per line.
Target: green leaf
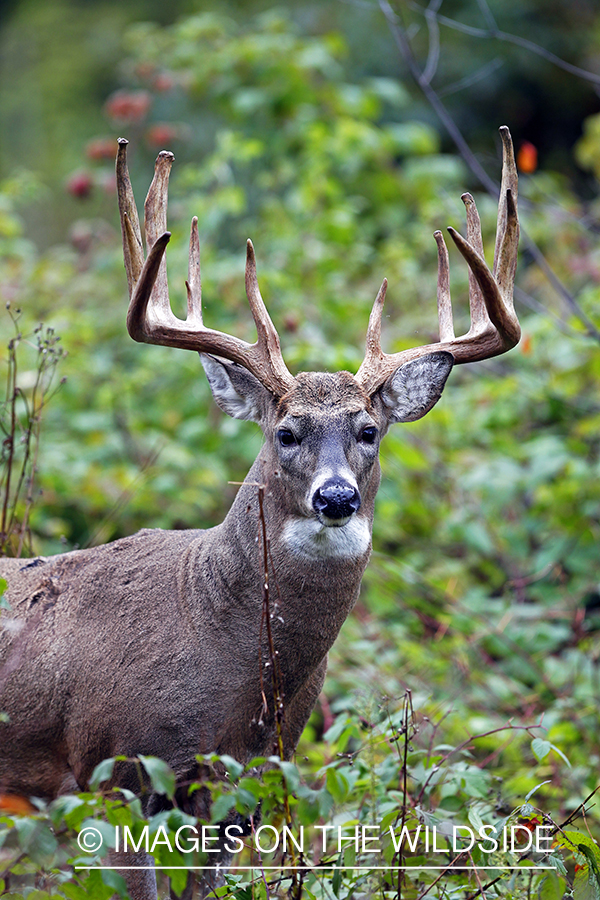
475	819
245	801
234	768
540	748
221	806
557	863
115	881
35	838
178	881
337	785
102	772
336	881
561	754
552	887
291	774
534	789
162	777
586	884
106	830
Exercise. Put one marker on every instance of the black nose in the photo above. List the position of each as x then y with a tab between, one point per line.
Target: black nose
336	499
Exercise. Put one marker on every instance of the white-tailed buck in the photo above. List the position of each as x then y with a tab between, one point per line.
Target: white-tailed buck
154	644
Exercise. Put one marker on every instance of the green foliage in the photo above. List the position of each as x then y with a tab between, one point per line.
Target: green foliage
482	596
422	807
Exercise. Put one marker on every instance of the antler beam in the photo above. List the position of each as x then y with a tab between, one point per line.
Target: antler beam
150	318
494	324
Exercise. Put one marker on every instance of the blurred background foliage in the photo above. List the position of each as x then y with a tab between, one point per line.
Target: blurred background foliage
304	128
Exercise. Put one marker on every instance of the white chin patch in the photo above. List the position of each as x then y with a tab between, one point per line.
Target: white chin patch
310	538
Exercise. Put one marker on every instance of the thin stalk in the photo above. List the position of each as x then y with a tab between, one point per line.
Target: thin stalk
296	886
12	394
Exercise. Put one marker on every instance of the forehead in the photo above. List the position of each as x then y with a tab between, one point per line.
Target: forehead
324	390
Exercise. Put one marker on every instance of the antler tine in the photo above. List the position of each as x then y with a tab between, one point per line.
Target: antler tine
130	223
507	206
446	323
477	308
373	352
155	222
139	324
194	280
267	344
150	318
494	325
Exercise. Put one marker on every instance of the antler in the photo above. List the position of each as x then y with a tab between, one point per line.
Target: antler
494	324
150	318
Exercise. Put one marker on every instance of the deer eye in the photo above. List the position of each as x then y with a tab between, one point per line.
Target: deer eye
286	437
368	435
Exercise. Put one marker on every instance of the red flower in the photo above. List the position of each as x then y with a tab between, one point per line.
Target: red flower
161	134
101	148
80	184
128	106
163	81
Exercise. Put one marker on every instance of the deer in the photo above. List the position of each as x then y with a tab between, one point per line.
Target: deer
154	644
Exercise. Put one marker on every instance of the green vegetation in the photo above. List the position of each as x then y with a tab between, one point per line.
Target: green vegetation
464	689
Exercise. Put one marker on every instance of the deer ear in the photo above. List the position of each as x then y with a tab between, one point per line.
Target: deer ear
235	390
414	388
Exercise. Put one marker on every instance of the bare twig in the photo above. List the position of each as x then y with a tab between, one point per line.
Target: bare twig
492	31
407	732
480	75
434	40
473	737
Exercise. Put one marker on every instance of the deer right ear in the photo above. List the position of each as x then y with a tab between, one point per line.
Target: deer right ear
235	390
414	388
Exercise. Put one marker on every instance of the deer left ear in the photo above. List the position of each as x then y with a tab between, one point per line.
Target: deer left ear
415	387
235	390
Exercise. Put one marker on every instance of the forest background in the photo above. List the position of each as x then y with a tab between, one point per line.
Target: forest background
465	686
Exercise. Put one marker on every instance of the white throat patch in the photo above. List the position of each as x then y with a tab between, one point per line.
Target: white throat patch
309	538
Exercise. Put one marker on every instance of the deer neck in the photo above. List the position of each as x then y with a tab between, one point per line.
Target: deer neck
314	594
312	572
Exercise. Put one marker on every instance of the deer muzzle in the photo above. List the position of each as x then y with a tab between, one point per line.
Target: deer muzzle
336	500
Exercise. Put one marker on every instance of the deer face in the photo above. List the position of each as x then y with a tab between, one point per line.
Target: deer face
322	443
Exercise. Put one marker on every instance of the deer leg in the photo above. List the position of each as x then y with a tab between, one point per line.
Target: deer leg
215	878
141	882
206	883
188	891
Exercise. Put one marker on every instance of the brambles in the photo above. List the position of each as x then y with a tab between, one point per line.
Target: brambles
27	394
391	811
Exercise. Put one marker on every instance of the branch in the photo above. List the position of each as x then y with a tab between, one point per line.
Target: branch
467	154
433	56
494	32
434	99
